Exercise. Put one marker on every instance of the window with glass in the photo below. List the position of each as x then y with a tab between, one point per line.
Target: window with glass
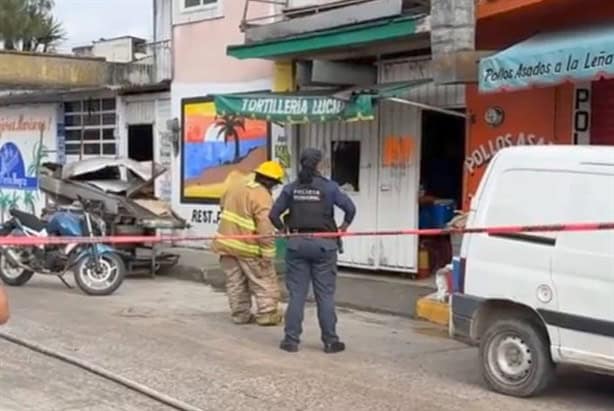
92	124
192	4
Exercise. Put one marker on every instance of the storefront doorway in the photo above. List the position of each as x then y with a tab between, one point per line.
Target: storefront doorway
140	142
442	156
441	182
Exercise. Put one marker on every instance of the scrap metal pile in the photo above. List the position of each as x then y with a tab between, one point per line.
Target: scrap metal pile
124	188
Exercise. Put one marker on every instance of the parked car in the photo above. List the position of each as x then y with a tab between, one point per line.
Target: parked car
534	300
125	188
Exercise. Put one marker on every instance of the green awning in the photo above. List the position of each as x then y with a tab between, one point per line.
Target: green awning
356	34
294	108
310	107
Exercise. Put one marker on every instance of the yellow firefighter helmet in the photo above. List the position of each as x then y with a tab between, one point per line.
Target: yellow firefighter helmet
272	170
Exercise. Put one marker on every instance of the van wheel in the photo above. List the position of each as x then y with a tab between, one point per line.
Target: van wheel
515	358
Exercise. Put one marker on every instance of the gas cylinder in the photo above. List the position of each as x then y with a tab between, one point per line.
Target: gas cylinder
424	261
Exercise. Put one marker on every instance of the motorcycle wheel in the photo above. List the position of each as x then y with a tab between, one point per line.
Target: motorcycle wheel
103	281
12	275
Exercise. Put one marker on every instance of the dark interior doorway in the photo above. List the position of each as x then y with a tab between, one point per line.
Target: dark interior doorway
141	142
443	155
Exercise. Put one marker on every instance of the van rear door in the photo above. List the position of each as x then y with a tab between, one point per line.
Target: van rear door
510	266
583	271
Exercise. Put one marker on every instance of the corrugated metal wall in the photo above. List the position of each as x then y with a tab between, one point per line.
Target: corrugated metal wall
388	196
398	186
140	112
448	96
400	208
359	251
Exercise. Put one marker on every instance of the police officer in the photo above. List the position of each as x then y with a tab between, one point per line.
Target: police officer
310	202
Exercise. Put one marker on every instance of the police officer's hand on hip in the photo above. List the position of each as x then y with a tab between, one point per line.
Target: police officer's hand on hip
310	201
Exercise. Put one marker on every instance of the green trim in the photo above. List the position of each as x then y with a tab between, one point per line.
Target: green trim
291	108
381	30
312	107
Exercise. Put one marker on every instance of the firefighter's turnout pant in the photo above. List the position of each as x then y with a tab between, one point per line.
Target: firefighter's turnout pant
252	276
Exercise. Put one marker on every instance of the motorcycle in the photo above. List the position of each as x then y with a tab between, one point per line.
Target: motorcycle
98	268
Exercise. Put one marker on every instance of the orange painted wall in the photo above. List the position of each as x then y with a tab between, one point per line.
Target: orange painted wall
500	30
539	116
545	114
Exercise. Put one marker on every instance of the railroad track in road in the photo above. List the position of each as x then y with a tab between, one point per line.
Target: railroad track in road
100	372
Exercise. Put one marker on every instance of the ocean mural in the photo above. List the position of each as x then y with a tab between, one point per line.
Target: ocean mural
217	150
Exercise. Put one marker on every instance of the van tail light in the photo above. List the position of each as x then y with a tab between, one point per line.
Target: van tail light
461	275
458	274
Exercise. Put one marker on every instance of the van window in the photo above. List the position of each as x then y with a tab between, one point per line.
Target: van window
534	197
528	197
592	200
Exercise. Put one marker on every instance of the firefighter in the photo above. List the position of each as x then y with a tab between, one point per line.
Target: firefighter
4	306
310	201
249	263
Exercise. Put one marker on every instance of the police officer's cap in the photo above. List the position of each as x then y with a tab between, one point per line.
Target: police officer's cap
311	157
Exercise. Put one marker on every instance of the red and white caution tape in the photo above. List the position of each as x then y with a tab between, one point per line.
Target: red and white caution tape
37	241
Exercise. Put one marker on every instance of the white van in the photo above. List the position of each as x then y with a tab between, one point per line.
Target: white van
533	300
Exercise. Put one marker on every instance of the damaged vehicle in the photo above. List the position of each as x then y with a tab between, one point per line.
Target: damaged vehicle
125	190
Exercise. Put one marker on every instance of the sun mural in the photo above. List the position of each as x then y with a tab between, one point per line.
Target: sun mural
218	150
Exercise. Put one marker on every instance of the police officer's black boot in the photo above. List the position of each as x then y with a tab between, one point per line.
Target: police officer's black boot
288	346
334	348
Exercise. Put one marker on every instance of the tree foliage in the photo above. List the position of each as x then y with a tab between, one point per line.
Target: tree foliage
29	25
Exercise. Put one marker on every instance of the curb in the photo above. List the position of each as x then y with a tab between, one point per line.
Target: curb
434	311
354	291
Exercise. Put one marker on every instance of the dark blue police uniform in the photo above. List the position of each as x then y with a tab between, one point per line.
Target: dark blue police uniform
311	260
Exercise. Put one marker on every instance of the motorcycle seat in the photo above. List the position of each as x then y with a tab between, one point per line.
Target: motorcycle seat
28	220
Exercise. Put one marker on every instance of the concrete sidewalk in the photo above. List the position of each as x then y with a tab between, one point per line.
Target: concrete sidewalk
361	290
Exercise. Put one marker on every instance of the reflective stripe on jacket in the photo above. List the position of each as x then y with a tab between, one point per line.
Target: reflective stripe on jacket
245	210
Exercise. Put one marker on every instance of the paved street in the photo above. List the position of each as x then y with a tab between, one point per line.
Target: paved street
175	337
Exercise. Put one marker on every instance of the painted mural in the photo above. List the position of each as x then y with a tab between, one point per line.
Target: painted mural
216	151
25	138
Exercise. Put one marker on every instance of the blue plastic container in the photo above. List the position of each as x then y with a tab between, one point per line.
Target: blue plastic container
425	217
443	212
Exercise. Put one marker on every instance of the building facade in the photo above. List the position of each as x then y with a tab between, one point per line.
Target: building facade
560	105
407	58
125	115
211	150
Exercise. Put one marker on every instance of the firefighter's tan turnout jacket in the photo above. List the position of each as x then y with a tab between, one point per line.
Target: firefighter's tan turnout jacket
245	210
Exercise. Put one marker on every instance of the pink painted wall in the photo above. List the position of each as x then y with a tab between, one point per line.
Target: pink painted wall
200	50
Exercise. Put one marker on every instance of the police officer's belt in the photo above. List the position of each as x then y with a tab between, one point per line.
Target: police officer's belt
307	230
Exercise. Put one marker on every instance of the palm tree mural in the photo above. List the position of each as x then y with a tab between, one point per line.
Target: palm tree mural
39	153
5	200
14	200
29	201
229	127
